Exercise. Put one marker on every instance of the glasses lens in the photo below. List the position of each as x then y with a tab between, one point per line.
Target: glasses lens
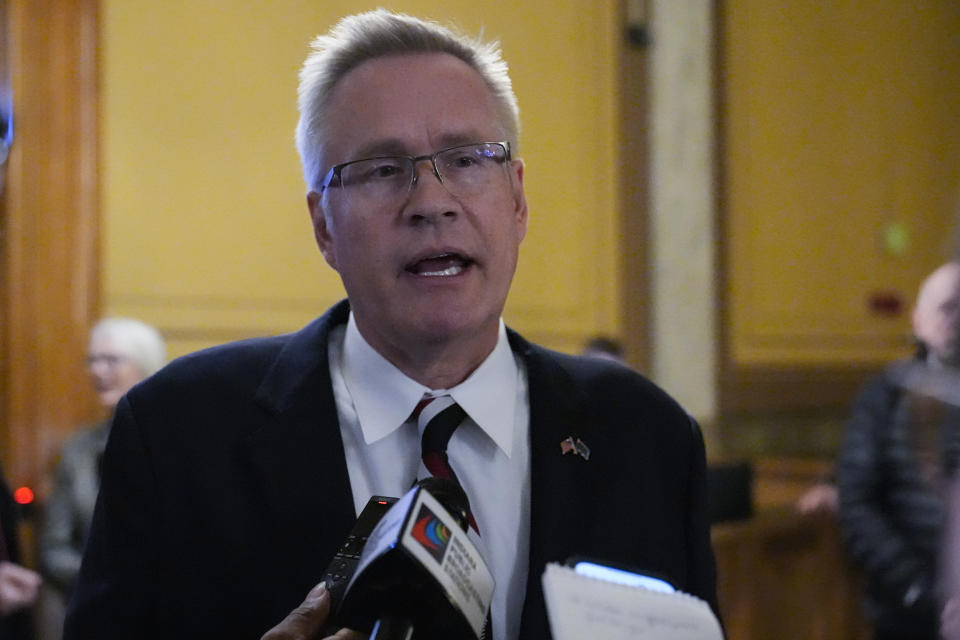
472	168
106	359
376	180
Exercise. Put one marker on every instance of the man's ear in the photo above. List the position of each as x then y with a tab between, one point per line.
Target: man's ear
321	231
519	198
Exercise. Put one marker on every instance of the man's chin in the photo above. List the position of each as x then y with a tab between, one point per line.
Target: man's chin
447	326
109	400
428	323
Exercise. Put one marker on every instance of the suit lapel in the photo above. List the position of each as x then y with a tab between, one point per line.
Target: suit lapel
298	454
560	483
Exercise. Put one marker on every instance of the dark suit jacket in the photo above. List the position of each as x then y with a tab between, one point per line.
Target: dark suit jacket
225	490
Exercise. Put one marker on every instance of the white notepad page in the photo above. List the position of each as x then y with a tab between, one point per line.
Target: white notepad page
581	607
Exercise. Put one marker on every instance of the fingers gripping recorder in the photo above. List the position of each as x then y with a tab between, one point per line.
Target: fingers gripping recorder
418	575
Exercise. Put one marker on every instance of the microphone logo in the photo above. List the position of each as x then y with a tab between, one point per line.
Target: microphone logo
420	568
431	533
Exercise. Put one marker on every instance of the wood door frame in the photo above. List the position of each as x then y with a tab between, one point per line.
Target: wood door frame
634	194
763	389
49	239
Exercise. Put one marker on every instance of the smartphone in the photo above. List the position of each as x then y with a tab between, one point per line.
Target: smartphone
620	574
344	563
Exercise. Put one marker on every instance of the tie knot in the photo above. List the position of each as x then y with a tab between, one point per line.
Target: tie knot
439	419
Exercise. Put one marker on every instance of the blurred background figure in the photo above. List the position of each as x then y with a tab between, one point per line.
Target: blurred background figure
19	586
950	567
820	498
900	451
121	353
604	347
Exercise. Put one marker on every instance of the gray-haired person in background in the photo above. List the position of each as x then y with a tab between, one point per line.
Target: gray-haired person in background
121	353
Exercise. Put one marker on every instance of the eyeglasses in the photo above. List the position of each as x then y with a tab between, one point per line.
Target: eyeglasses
109	359
467	171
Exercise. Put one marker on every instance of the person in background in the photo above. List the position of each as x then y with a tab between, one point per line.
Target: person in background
121	353
822	498
233	475
604	347
19	586
950	567
899	456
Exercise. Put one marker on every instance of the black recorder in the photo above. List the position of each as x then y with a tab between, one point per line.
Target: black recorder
345	561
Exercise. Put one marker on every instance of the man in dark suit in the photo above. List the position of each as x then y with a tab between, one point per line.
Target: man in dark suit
232	476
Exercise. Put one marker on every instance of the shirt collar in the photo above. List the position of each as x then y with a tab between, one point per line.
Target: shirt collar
384	396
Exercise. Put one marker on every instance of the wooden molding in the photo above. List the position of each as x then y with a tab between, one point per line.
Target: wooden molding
746	389
49	259
634	198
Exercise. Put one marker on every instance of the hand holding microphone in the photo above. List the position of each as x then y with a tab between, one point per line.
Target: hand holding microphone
306	621
410	567
420	572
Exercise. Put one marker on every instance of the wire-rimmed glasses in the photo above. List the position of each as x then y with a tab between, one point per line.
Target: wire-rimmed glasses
466	170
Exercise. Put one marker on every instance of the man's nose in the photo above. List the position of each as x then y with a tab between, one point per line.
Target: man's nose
431	165
98	368
429	199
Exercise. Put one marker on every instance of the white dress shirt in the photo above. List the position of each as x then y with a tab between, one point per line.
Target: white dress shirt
489	451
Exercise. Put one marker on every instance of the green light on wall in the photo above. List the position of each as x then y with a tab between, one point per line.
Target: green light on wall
896	239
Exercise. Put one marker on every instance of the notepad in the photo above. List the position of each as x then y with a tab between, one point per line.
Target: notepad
581	607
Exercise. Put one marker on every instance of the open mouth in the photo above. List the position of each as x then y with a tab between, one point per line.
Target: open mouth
440	265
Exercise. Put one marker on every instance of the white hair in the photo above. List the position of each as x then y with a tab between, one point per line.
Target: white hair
374	34
138	341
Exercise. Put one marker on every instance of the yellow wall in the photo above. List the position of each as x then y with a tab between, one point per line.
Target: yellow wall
840	129
205	228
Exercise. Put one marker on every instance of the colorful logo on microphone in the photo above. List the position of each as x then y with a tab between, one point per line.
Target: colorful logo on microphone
431	533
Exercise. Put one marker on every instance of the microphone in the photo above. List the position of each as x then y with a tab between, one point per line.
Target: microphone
419	571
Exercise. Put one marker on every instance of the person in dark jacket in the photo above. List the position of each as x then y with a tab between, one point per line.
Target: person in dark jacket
233	475
19	586
900	451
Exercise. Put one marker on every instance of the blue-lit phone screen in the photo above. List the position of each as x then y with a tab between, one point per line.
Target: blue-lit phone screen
621	576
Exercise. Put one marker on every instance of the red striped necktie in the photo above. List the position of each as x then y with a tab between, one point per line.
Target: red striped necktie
438	418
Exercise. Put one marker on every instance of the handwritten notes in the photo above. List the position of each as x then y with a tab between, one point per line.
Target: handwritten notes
582	607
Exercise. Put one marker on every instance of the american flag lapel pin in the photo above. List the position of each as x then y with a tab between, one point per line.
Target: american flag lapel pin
575	446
